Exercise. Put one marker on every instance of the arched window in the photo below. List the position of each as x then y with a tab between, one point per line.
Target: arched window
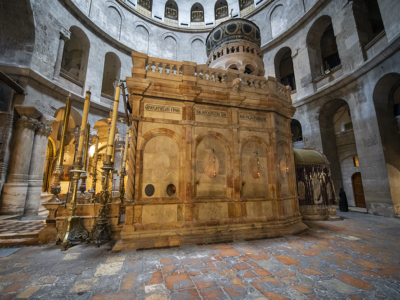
221	9
147	4
368	19
171	10
245	3
197	13
111	73
296	130
322	47
284	67
329	50
75	57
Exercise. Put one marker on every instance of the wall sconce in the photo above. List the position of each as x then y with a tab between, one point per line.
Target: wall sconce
258	174
214	160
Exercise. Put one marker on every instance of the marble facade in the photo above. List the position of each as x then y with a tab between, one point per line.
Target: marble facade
221	140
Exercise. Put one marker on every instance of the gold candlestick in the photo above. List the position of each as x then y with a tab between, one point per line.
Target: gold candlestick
94	169
82	189
75	233
55	180
122	172
101	231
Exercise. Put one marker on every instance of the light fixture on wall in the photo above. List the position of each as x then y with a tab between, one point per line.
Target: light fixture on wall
258	165
214	162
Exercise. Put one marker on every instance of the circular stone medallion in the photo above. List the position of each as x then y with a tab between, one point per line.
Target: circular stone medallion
149	190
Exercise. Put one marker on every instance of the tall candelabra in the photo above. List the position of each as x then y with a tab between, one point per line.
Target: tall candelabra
75	233
55	178
101	231
94	169
82	188
122	172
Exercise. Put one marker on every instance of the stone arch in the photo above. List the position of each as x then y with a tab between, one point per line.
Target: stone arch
171	45
255	157
21	39
333	140
284	70
114	17
212	160
386	98
198	53
142	35
163	165
111	73
297	130
322	58
76	56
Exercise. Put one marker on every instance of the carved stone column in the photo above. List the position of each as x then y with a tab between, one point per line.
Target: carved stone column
15	189
6	124
130	186
36	169
64	36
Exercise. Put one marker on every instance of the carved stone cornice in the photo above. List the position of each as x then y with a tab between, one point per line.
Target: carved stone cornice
44	130
29	123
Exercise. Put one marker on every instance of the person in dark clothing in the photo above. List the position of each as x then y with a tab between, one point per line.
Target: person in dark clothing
343	205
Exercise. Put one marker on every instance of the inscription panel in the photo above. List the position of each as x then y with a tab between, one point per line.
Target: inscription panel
256	118
162	111
211	116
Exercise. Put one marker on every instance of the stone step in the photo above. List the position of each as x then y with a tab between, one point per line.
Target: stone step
358	209
19	242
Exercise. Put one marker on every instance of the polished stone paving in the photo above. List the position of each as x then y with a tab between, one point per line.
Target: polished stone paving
357	258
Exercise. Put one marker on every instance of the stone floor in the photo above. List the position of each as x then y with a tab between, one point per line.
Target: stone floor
357	258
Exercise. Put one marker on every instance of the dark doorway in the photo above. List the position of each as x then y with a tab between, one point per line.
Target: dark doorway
358	190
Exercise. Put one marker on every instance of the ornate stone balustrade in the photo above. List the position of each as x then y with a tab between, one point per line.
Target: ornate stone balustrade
200	78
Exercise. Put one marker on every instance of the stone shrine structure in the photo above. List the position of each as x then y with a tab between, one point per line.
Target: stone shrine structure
214	158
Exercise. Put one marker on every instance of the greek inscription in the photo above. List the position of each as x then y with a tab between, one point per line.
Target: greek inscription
163	109
211	113
253	118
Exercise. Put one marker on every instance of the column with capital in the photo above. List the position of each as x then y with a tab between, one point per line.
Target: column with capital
64	36
16	186
36	169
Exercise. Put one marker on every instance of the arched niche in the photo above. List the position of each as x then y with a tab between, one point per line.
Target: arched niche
171	10
386	97
296	130
75	57
284	164
160	166
142	39
170	48
111	73
322	48
197	52
284	69
114	22
212	167
197	13
254	168
221	9
278	20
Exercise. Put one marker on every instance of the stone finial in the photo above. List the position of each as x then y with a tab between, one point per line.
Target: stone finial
29	123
